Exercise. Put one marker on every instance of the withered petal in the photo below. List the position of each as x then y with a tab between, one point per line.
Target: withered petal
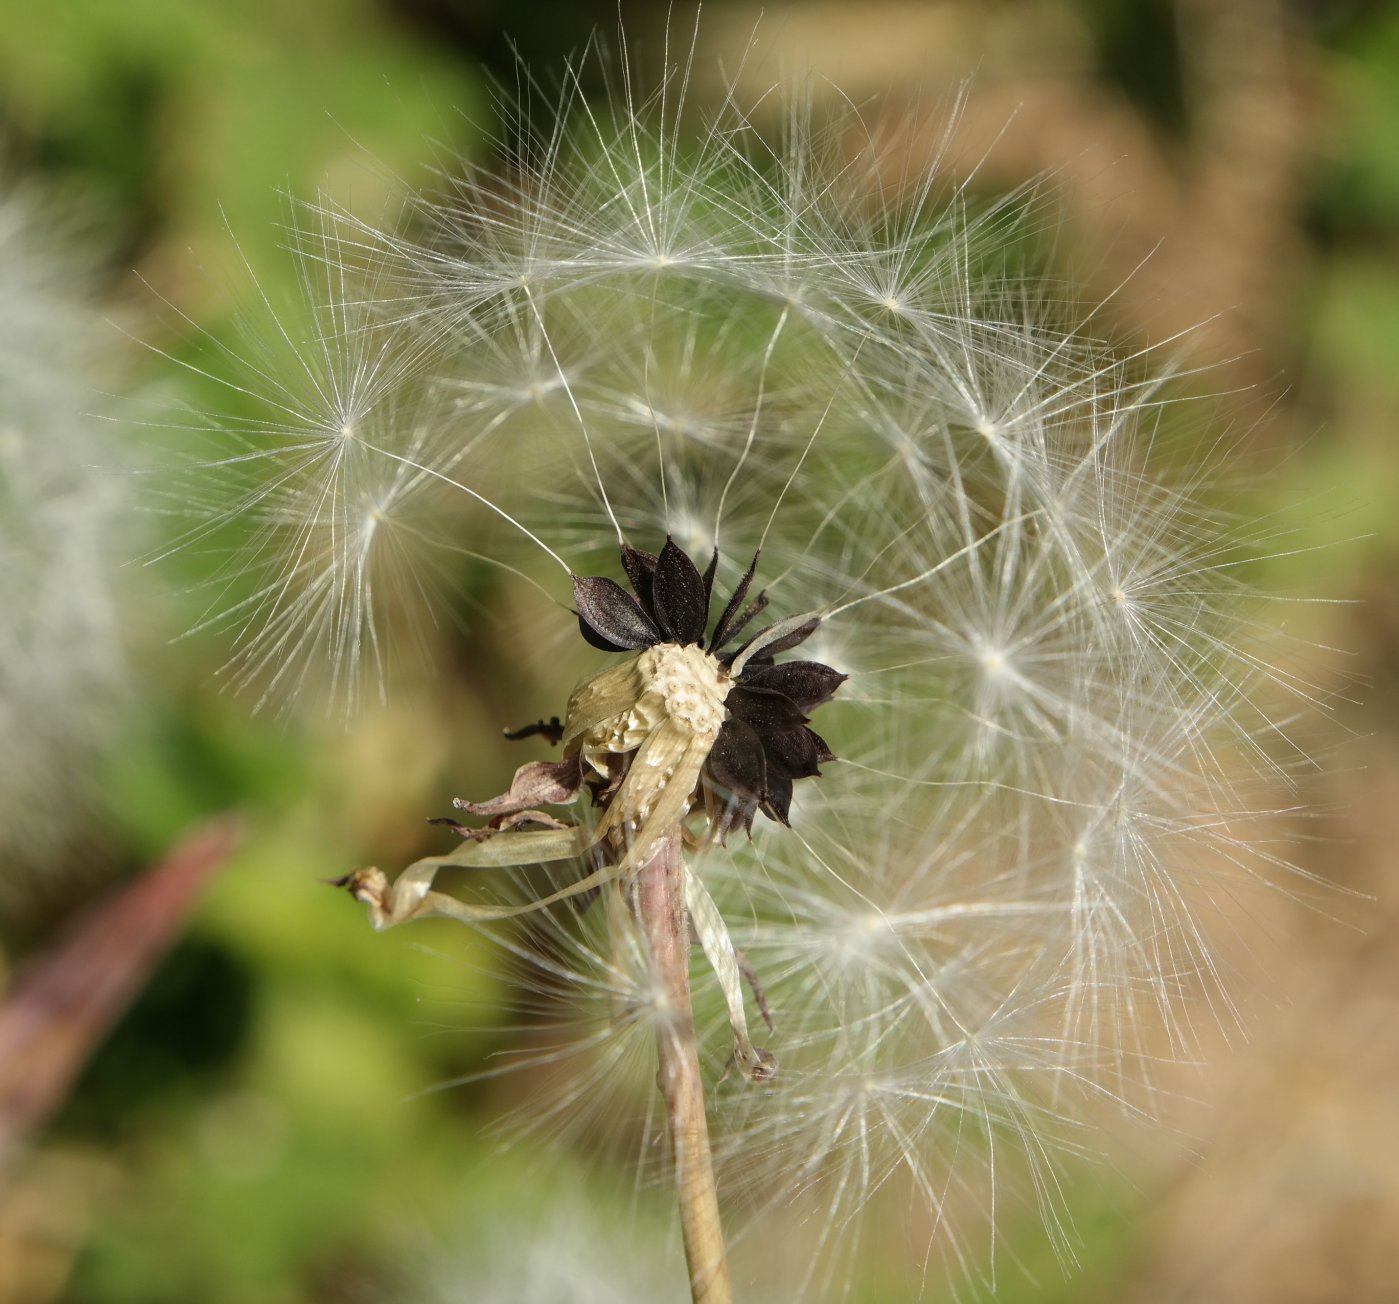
549	783
736	764
678	595
762	708
610	618
807	683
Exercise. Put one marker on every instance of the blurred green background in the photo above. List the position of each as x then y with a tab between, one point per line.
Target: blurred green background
258	1125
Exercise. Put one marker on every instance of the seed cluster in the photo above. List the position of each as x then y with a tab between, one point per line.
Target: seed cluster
739	739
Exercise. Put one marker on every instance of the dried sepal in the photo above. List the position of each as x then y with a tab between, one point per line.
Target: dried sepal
551	730
606	696
536	819
540	783
667	768
410	896
713	934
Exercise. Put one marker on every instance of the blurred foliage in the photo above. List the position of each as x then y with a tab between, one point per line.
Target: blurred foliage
184	117
257	1120
1120	35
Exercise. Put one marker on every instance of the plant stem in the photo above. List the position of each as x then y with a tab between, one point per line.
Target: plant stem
660	906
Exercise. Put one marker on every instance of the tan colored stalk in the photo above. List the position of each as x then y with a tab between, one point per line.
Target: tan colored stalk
660	906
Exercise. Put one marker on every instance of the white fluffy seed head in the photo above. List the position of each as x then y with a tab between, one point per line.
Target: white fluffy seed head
1060	720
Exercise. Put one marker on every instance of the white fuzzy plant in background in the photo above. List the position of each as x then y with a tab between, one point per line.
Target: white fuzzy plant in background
63	535
1060	725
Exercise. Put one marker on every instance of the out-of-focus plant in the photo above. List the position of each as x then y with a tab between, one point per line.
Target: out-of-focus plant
751	367
64	533
520	1250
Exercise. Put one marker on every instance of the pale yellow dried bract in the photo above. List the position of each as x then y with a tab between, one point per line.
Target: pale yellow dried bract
608	696
755	1064
616	709
666	705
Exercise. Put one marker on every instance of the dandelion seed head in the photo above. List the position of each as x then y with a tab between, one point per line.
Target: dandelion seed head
982	924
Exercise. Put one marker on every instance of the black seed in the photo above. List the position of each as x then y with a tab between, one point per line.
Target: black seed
792	752
777	801
737	764
779	645
807	683
762	708
724	630
641	571
823	751
754	608
727	812
610	618
678	596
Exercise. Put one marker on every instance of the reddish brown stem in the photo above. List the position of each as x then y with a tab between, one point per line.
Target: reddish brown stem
660	906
